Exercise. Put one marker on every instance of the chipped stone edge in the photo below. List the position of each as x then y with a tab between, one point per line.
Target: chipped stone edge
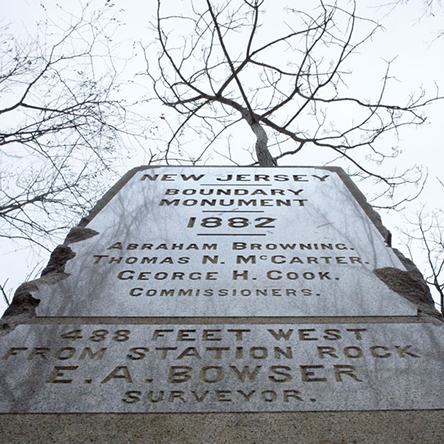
23	305
410	284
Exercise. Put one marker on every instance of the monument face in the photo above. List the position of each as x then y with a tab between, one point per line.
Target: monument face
217	289
217	242
222	368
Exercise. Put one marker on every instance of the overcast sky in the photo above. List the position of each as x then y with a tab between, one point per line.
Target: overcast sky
408	37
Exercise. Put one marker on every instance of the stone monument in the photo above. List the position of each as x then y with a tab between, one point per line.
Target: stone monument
218	304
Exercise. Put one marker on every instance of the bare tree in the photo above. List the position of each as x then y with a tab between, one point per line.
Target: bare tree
59	125
426	236
229	63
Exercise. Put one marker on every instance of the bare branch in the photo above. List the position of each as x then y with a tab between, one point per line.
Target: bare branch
285	81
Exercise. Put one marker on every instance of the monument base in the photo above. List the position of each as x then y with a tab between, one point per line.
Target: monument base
413	426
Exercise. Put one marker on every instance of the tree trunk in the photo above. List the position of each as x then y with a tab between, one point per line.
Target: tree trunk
263	154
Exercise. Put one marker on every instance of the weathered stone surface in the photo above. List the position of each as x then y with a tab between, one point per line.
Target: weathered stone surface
378	427
78	234
301	325
222	368
22	308
216	242
59	257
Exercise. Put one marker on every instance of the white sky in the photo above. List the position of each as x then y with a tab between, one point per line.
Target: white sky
406	37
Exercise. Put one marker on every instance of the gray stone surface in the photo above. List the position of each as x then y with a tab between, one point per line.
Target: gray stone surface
393	427
222	368
331	340
287	242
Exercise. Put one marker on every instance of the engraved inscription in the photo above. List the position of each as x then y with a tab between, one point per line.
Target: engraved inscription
222	367
213	242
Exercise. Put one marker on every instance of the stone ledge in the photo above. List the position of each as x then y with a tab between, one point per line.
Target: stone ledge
375	427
